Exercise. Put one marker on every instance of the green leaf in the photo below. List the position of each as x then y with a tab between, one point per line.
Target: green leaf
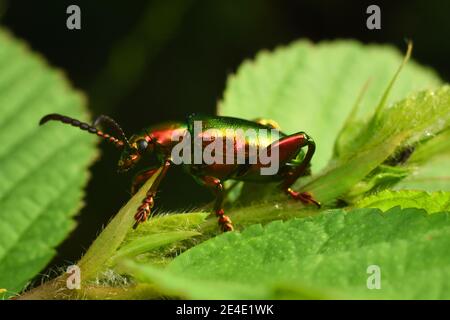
313	87
434	147
43	169
161	236
168	222
355	132
421	115
410	121
433	176
386	199
425	119
432	159
159	232
147	243
326	256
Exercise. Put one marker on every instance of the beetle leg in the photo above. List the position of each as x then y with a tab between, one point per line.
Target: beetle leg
292	176
299	140
304	197
143	211
217	186
141	177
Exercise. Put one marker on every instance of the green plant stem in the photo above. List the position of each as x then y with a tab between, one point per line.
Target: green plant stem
112	236
56	289
99	252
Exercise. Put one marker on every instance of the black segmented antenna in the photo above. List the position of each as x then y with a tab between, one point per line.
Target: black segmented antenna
83	126
105	119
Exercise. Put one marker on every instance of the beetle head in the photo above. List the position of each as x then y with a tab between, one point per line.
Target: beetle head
133	151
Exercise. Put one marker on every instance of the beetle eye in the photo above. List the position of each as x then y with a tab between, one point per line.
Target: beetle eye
142	145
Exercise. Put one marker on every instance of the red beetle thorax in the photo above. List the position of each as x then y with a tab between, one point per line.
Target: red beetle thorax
166	136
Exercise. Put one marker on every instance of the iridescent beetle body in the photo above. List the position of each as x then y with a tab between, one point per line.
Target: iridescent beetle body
158	140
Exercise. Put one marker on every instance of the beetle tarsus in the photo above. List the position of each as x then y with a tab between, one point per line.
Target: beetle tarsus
217	187
303	197
143	211
224	221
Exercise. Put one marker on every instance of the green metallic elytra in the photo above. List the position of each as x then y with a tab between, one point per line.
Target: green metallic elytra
293	161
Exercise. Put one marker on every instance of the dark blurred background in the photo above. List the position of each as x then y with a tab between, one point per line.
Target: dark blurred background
143	62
